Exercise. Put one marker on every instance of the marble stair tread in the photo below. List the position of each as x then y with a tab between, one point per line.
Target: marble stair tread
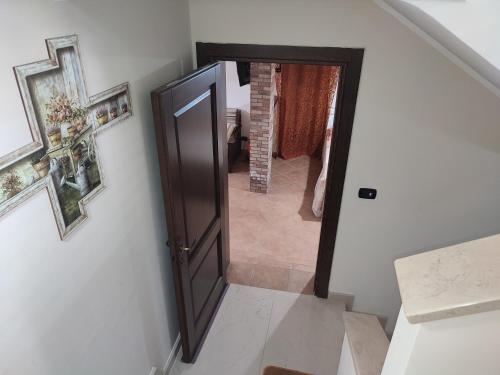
453	281
367	341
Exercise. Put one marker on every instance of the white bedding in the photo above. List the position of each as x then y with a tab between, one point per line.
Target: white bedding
319	190
230	130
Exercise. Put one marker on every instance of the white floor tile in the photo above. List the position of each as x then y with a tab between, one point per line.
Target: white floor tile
258	327
305	333
235	342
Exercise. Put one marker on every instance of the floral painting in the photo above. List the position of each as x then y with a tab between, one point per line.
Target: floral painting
64	122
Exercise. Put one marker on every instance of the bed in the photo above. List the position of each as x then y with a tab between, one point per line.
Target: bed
319	190
233	118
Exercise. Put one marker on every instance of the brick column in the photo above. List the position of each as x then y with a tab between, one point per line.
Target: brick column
261	126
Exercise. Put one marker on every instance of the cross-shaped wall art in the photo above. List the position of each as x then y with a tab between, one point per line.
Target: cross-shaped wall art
62	157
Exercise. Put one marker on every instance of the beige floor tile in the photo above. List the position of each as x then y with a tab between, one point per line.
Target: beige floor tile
240	273
258	258
300	282
274	234
304	267
270	277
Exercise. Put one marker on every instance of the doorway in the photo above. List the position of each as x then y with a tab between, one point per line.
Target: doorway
284	113
191	134
349	62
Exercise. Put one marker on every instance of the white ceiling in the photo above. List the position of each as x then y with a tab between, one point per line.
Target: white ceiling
468	31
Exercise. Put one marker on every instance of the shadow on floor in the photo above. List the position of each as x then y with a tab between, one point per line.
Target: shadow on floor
256	328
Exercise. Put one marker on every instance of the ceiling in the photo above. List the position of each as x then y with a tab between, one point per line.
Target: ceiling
467	31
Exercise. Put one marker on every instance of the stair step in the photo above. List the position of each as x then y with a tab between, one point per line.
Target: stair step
367	341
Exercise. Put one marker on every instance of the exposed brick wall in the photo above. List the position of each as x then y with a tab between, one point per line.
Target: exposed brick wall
261	126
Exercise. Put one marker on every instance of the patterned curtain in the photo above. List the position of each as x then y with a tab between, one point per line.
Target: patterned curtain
306	96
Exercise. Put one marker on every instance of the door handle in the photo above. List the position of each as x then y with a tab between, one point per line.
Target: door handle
187	248
183	253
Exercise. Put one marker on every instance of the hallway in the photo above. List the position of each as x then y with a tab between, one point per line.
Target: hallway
274	237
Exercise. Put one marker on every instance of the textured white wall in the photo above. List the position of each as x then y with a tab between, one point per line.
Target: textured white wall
346	363
476	22
101	302
238	96
465	30
401	346
426	135
460	346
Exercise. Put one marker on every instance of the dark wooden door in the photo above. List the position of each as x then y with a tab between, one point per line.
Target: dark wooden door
191	140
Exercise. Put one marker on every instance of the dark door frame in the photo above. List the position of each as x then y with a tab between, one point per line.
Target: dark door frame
350	60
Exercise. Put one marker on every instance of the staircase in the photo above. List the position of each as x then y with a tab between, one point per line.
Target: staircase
365	345
449	322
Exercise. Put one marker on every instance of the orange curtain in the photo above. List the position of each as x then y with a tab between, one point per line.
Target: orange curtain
306	96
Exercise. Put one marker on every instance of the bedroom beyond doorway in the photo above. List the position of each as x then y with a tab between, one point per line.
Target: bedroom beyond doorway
281	119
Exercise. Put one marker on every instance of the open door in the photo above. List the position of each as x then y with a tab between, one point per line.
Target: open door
191	141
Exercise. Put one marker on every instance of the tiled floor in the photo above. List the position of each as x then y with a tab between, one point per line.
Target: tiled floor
256	327
275	236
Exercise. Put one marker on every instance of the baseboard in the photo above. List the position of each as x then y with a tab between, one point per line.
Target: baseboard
172	356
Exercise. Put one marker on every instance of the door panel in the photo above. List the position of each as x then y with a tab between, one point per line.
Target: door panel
191	140
193	124
205	278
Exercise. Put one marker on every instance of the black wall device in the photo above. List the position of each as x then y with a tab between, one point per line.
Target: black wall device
367	193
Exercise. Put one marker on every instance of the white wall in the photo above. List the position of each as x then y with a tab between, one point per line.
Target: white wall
426	135
461	345
473	21
401	346
346	363
238	96
101	302
463	29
